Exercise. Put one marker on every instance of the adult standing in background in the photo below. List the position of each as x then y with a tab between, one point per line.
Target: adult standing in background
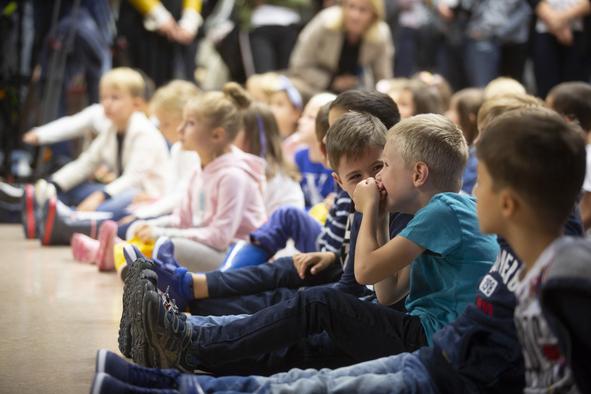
561	42
158	37
343	47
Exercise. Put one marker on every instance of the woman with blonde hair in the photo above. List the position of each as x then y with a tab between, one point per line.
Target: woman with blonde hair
343	47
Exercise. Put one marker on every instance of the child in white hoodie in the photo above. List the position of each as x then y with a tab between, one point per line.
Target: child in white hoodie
224	201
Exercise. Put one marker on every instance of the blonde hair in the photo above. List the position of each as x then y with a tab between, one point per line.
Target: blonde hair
437	142
125	78
503	86
173	96
496	106
222	109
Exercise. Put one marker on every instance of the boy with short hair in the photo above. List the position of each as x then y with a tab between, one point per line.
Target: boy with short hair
358	329
530	172
132	148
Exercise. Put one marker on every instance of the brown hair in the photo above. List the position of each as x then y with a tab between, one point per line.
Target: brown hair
426	99
573	100
496	106
468	102
351	135
262	135
539	155
436	141
222	109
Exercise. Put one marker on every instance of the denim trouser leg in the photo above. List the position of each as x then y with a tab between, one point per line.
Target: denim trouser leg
208	321
76	195
286	223
403	373
238	305
119	202
482	59
250	289
406	52
360	330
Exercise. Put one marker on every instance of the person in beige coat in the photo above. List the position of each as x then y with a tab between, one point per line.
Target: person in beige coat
342	48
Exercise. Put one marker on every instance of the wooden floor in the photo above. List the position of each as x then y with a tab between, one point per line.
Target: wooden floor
54	315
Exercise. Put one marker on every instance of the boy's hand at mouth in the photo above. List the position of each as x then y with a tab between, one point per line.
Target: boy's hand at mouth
367	196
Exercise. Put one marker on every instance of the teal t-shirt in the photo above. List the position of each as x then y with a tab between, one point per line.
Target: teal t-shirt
444	278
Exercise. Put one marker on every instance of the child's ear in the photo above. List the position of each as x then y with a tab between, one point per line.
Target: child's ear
509	203
421	174
337	179
218	134
139	103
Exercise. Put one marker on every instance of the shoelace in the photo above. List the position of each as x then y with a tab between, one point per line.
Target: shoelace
177	322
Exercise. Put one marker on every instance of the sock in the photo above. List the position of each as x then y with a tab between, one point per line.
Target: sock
187	285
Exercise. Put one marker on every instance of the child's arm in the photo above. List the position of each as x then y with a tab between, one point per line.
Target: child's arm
372	262
392	289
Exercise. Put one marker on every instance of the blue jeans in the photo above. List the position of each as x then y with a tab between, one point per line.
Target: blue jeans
403	373
76	195
250	289
318	327
119	202
482	60
288	223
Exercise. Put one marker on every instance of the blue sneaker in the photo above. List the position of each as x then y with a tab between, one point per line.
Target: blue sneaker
136	263
107	384
172	278
119	368
244	254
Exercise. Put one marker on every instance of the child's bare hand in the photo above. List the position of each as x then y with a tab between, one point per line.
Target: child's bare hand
315	262
31	138
125	220
145	232
366	195
91	202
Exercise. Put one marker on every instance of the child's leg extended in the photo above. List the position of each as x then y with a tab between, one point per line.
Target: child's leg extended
358	330
284	224
196	256
403	373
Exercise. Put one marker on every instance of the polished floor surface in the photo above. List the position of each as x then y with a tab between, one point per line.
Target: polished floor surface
54	315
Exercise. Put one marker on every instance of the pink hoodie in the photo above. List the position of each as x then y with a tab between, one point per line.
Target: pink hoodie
224	202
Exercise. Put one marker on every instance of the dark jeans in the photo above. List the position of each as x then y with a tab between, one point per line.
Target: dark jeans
316	324
250	289
271	47
513	59
482	59
405	64
288	223
76	195
555	63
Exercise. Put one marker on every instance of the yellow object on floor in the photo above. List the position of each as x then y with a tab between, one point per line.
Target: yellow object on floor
145	247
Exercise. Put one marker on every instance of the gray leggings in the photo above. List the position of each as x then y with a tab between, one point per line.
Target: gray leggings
197	257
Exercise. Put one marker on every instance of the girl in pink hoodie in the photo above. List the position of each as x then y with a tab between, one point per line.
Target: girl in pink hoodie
224	200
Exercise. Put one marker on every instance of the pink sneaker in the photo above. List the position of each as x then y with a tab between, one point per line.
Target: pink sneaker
84	248
106	237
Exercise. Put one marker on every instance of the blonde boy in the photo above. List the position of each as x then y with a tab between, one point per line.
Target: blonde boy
131	148
437	260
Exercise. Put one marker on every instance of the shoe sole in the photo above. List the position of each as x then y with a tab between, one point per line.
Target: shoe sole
140	352
49	222
125	338
105	258
80	251
29	213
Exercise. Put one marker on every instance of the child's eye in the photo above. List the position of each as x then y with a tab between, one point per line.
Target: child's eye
354	177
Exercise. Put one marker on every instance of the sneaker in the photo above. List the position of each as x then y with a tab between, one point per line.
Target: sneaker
107	384
84	248
167	332
141	353
136	263
119	368
164	252
172	278
47	223
243	254
28	212
105	259
10	195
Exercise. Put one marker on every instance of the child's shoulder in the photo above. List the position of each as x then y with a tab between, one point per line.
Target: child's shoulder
450	204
